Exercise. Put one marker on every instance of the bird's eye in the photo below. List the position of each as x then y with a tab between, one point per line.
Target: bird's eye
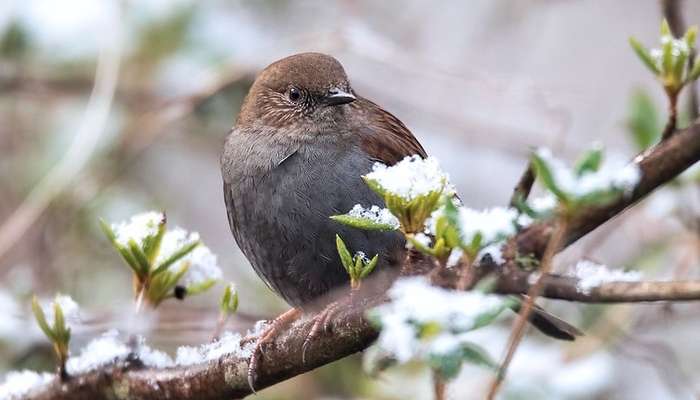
294	94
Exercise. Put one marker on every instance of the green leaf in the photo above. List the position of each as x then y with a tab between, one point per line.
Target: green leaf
41	319
344	254
679	65
200	287
475	245
590	162
375	186
477	355
418	245
363	223
487	317
665	29
140	258
598	198
446	365
644	55
229	301
544	173
643	120
152	244
175	257
59	325
162	285
126	255
667	56
370	266
690	36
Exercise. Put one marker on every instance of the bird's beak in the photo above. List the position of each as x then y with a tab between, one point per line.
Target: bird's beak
337	97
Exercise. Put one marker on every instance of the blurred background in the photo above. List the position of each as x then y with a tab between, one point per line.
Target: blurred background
109	108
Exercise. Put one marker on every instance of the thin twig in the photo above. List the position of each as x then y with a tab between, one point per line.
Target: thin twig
439	387
521	322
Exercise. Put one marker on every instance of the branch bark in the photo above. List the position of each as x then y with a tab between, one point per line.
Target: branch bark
226	378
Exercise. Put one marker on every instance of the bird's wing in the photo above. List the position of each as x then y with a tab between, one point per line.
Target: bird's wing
384	137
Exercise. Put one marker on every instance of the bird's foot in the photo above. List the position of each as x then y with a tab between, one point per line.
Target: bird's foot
322	323
265	337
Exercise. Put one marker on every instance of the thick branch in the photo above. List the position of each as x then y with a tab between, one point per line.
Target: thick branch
226	378
659	165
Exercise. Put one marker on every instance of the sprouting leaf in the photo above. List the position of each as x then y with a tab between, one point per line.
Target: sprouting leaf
374	185
175	257
643	120
41	319
475	354
544	172
126	255
229	300
344	254
446	365
140	257
152	243
370	266
200	287
667	55
367	224
690	36
486	318
590	162
644	55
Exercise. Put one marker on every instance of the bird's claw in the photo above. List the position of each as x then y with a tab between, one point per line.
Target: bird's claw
322	323
266	336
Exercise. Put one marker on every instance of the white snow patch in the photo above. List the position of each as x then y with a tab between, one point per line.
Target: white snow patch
18	384
70	309
411	177
229	343
375	214
455	256
614	174
151	357
104	350
203	263
494	251
138	227
493	224
592	274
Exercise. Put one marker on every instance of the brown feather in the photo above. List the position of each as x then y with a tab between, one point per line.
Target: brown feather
385	137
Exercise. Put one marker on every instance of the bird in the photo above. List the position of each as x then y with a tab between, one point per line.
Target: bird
295	156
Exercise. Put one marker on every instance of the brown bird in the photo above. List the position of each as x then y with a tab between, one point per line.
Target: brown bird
295	156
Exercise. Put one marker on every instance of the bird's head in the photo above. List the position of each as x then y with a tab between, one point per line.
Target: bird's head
306	91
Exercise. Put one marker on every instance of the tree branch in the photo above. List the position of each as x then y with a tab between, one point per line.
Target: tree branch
226	378
566	288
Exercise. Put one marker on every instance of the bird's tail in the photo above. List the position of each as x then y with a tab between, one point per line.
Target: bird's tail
549	324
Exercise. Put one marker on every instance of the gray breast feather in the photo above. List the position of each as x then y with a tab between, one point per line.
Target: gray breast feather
280	219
